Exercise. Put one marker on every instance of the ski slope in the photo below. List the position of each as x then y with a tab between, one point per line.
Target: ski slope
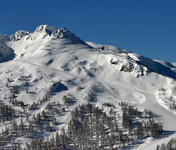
50	55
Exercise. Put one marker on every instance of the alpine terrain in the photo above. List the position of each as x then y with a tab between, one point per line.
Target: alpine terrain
60	92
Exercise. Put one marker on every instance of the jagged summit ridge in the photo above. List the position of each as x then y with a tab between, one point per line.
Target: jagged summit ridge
45	38
45	28
55	32
45	31
64	33
58	33
18	35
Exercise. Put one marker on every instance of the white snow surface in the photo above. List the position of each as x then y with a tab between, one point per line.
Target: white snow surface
50	55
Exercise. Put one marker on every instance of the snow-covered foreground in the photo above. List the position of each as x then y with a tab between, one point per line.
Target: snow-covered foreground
54	63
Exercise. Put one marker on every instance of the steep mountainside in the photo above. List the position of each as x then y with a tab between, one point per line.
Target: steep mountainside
49	65
6	53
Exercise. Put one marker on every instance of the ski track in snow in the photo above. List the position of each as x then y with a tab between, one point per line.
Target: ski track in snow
107	90
162	115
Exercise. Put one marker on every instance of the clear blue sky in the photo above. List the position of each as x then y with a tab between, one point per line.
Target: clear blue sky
146	27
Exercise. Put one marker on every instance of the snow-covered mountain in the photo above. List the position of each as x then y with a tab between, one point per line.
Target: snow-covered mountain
51	63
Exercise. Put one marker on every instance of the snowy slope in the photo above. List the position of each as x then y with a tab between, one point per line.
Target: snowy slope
50	56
